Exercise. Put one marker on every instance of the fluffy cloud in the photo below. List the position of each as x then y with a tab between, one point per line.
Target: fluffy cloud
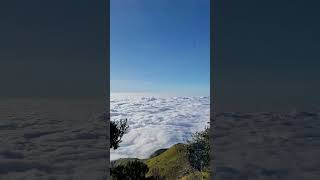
52	139
266	145
157	122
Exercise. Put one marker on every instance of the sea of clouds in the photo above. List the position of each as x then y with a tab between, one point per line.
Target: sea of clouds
157	122
46	139
266	145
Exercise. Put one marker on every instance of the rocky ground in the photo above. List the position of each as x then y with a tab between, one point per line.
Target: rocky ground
266	146
44	139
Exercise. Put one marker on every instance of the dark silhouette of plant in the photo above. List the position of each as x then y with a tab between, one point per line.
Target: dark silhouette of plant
198	150
133	170
137	169
118	173
117	130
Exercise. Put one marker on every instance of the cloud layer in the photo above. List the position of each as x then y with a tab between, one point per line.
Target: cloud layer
266	146
52	139
157	122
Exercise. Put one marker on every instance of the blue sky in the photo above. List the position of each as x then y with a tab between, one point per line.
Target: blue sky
160	46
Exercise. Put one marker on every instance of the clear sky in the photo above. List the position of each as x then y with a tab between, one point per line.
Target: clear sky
160	46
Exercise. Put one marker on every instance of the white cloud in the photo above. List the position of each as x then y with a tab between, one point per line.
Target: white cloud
157	122
48	139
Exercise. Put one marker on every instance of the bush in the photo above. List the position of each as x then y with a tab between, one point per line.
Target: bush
117	130
133	170
198	150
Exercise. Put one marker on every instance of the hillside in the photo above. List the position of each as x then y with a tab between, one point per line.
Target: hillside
122	161
172	164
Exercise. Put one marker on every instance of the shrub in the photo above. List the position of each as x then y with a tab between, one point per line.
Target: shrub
198	150
117	130
133	170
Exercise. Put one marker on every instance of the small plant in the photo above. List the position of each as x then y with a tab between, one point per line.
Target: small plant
117	130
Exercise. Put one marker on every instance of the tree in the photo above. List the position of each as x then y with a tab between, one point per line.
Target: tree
118	172
133	170
117	130
198	150
137	170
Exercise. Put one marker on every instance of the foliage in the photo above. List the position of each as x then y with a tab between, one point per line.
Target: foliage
181	161
132	170
171	164
122	161
196	176
117	130
198	150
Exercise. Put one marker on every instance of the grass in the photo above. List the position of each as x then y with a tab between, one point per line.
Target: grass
122	161
172	164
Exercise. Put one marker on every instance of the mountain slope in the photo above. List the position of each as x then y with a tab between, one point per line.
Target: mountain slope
172	164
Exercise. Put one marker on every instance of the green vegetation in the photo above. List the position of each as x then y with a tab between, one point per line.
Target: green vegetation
180	162
198	150
174	164
196	176
133	170
123	161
